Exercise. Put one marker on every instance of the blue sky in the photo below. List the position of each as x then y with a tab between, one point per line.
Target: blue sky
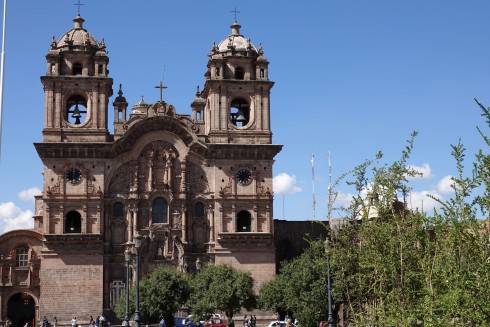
352	77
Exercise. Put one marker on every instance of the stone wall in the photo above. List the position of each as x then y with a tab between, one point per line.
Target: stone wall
72	286
290	238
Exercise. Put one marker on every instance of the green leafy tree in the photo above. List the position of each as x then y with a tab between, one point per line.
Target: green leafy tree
300	288
222	287
162	293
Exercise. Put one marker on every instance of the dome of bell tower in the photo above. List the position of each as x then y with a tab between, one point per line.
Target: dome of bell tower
235	42
77	39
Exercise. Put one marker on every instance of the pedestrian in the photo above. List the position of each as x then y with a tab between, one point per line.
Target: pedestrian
102	321
245	321
97	321
162	323
74	322
91	322
45	322
55	322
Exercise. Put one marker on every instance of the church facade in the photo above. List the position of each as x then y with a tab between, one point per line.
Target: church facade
193	188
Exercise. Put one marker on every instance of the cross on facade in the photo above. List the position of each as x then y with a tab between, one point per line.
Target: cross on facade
235	12
79	4
161	87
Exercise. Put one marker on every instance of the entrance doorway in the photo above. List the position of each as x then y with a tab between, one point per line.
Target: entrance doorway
21	310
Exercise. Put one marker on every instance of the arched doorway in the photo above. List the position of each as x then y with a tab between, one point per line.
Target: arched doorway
21	309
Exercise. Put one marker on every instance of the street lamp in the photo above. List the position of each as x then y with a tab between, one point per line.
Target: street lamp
198	265
329	290
137	244
127	258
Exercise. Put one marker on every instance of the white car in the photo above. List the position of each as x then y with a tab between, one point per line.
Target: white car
280	323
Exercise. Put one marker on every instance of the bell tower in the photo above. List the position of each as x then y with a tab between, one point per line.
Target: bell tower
238	92
77	88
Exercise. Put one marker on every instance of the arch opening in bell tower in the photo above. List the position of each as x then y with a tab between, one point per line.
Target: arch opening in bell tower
239	112
243	221
76	109
73	222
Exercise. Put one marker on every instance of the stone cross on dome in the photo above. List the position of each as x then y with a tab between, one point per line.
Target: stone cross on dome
235	12
161	87
79	4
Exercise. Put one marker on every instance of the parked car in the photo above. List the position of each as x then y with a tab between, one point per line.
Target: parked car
181	322
215	322
280	323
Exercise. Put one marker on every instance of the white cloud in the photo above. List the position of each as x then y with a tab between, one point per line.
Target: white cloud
444	185
13	217
343	199
285	184
422	202
28	195
424	170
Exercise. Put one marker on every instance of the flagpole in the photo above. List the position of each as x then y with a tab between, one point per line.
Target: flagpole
2	70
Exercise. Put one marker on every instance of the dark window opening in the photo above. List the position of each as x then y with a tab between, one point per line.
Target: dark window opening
101	69
118	209
243	222
240	112
239	73
76	109
159	211
73	223
77	68
199	209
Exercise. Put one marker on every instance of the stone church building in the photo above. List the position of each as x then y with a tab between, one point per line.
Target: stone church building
192	187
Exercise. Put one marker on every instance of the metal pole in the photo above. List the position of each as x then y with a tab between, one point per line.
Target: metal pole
126	319
329	291
2	70
137	299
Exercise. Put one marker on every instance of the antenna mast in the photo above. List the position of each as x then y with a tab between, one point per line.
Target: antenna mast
330	195
313	182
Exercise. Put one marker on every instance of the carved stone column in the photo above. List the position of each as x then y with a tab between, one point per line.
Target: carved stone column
184	225
210	216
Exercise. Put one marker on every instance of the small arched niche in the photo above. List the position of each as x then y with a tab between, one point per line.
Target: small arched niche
77	69
239	73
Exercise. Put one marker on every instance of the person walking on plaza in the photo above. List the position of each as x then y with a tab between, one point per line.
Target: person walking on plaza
74	322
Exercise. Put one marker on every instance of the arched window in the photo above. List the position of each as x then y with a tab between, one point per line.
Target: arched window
22	256
239	112
73	223
77	68
118	210
199	209
243	221
159	211
239	73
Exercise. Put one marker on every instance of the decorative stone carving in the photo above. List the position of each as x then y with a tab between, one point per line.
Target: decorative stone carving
176	219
